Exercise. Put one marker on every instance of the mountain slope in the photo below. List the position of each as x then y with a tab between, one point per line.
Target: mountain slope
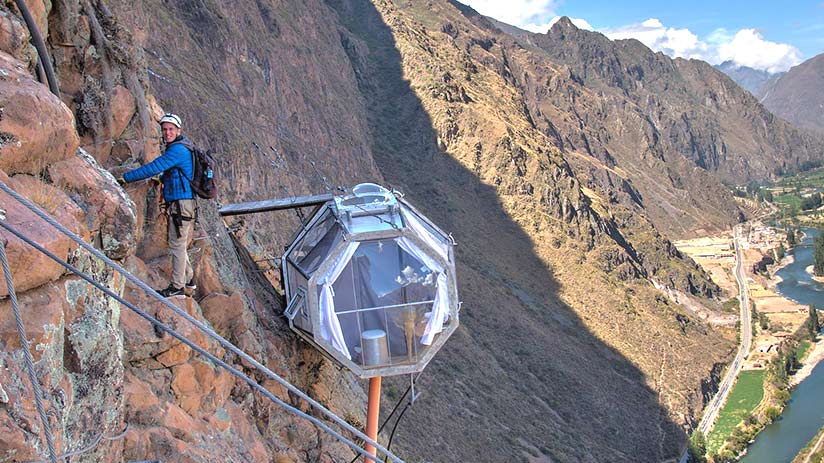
753	80
551	275
796	96
675	127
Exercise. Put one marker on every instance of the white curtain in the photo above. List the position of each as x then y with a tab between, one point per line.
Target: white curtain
423	233
440	308
330	329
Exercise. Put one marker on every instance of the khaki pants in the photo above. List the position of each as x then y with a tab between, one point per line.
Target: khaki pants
181	266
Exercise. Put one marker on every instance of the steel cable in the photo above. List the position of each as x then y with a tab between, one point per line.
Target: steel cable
35	384
197	323
89	447
191	344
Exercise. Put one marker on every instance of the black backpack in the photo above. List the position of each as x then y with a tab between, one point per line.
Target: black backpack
204	178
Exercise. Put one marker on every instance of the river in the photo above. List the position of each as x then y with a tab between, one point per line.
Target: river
797	284
781	441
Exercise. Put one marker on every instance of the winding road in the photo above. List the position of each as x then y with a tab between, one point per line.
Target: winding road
712	409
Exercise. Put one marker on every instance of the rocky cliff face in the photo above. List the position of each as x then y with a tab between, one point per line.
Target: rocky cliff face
102	367
796	97
558	244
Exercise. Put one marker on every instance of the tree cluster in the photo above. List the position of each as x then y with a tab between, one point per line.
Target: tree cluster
811	202
813	324
818	255
783	365
792	240
780	252
761	265
697	447
764	195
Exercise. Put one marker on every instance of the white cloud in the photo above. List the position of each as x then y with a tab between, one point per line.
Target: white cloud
519	13
652	33
748	48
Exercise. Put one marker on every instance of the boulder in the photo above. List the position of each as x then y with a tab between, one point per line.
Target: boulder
152	220
109	212
124	150
14	37
28	267
179	422
206	276
99	149
36	129
53	201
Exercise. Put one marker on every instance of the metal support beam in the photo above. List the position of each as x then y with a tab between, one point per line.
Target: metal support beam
274	204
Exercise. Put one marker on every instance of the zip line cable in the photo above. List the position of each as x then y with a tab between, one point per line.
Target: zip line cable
189	343
35	384
197	323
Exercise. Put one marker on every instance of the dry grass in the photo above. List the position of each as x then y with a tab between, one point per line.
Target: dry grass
43	195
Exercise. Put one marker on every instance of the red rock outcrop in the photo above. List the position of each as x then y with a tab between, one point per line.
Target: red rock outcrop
14	38
36	129
30	268
109	213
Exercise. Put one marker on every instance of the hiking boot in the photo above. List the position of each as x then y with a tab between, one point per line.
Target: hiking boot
171	291
190	287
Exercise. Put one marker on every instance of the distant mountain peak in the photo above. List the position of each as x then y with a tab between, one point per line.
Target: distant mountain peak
564	23
753	80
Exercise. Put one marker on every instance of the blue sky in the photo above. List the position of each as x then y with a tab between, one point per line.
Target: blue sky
768	35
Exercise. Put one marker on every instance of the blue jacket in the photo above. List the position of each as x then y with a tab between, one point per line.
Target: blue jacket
176	158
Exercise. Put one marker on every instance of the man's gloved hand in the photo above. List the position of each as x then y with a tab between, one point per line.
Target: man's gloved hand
121	181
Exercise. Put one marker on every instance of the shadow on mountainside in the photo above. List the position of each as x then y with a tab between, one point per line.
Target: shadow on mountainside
522	378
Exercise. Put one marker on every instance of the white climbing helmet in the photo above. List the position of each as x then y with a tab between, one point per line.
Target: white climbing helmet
171	118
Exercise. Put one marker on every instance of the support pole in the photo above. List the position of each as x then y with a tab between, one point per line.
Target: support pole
373	413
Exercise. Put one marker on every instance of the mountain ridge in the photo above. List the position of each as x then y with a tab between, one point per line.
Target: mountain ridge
796	96
753	80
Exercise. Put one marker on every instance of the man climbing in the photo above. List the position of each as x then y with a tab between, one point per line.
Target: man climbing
176	166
